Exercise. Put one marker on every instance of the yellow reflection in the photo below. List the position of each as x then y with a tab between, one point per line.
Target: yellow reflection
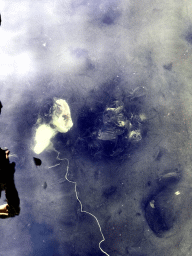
61	122
44	134
61	116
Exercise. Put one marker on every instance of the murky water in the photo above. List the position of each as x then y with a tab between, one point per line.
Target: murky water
111	82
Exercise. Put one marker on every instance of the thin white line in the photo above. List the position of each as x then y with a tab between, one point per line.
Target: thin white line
53	166
58	154
13	155
103	238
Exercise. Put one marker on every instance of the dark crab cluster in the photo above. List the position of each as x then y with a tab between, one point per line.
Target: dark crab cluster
110	130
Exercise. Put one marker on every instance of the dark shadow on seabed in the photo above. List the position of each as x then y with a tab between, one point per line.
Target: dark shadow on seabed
7	184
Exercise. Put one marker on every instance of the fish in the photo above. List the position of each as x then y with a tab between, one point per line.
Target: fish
44	185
